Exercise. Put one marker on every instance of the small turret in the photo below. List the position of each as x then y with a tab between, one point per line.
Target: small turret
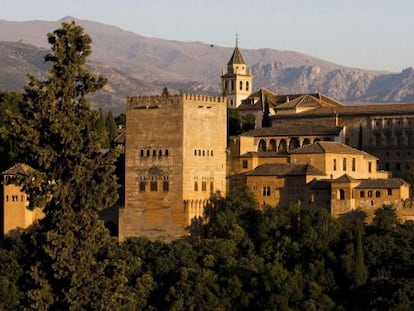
237	82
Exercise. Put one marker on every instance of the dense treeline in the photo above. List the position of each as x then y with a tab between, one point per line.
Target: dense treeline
248	259
242	258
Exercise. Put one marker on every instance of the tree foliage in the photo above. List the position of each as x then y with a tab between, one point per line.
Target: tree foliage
72	181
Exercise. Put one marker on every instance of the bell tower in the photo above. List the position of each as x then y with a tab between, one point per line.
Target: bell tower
237	82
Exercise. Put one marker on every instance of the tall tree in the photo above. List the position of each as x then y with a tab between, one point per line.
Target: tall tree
72	180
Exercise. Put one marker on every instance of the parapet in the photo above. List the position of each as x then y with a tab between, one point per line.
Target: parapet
156	101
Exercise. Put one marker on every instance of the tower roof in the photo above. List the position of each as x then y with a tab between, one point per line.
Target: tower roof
236	57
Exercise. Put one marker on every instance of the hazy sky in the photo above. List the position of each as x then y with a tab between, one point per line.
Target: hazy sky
371	34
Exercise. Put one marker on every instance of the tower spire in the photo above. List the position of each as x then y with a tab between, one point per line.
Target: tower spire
237	40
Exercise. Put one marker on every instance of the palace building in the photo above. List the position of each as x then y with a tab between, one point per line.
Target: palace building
312	150
175	158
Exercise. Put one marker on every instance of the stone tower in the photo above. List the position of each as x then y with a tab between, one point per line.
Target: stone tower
175	157
237	83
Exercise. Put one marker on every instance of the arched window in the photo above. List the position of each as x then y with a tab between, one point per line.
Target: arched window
362	194
377	194
262	145
142	152
334	164
232	85
294	143
241	85
247	85
160	153
225	85
306	141
167	152
282	146
148	153
370	194
344	164
316	140
272	144
353	164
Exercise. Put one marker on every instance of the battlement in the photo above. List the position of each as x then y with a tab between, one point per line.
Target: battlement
156	101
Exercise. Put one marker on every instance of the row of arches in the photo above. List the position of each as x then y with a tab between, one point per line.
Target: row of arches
285	145
194	209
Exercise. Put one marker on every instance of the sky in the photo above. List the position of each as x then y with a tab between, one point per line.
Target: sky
366	34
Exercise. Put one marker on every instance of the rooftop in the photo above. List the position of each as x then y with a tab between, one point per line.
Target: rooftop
285	169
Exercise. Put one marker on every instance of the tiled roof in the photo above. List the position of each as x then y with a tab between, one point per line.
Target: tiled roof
19	168
344	178
302	101
328	147
236	57
302	127
256	100
265	154
344	110
120	139
320	184
285	169
392	183
289	100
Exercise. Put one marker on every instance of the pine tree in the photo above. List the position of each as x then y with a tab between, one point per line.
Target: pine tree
110	127
72	180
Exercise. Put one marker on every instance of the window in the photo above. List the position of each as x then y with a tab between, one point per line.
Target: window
211	186
199	152
344	164
153	186
334	164
159	153
22	198
232	85
377	194
203	186
195	152
211	153
398	166
241	85
266	191
341	194
369	167
195	186
204	153
7	198
142	186
165	186
148	153
389	191
244	164
167	152
142	153
353	164
225	85
247	85
154	153
362	194
370	194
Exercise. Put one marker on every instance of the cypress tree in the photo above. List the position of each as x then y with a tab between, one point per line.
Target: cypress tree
70	267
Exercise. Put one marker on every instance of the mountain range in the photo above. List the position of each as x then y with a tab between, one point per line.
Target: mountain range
137	65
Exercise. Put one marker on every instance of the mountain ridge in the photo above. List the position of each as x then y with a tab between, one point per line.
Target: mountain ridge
152	63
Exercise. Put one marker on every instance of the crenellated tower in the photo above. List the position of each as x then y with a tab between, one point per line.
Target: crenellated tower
237	82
